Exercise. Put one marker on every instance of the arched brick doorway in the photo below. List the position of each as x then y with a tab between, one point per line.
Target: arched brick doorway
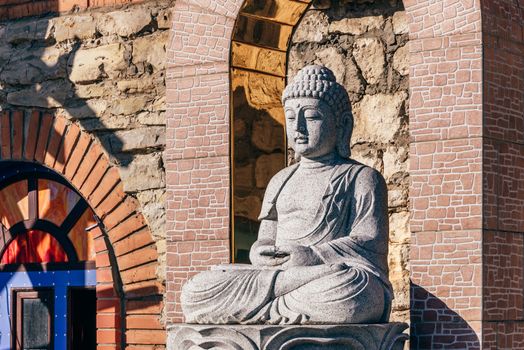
445	82
129	297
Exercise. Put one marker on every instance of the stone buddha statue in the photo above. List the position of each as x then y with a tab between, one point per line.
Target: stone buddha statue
321	253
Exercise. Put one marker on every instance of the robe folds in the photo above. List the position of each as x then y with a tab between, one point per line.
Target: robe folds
349	233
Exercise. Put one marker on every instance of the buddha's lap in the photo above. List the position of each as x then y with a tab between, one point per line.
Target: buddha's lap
348	286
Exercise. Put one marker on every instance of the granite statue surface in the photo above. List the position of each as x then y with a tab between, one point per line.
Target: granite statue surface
321	253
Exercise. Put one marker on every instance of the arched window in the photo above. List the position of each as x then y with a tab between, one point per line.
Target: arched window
43	219
47	260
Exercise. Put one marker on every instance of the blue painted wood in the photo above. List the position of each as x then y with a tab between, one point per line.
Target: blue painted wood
58	280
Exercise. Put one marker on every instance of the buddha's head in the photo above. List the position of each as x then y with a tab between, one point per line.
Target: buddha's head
318	114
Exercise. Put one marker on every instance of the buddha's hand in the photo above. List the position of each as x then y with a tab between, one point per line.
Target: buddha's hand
300	255
268	255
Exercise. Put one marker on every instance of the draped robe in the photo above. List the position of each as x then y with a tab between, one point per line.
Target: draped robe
350	229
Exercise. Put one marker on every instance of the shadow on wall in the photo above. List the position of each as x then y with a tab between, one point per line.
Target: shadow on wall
46	79
435	326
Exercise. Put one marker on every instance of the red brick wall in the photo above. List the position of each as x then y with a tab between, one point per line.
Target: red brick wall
446	172
503	184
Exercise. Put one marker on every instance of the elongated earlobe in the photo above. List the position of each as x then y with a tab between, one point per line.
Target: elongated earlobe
344	135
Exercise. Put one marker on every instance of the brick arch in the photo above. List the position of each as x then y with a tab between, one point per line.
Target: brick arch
129	297
445	45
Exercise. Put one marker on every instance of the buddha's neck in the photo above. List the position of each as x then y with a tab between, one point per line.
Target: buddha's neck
323	162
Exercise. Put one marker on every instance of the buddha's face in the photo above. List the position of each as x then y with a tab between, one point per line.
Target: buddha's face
311	127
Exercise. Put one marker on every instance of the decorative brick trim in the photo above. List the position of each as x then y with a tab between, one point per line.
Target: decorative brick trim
34	136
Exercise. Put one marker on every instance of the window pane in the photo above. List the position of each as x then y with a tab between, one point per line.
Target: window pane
283	11
82	240
82	313
55	201
259	150
33	246
35	324
262	33
14	204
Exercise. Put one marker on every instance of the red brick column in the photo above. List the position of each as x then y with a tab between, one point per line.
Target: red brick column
197	142
503	236
446	172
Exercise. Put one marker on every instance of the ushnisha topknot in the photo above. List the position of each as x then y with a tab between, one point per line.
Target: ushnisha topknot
319	82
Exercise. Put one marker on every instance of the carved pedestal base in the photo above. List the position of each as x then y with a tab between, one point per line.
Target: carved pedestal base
387	336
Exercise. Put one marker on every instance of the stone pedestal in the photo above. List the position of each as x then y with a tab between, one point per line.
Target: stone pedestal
387	336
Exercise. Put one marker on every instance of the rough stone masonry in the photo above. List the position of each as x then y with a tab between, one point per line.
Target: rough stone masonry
105	71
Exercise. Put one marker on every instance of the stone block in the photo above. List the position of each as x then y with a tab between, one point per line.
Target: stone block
74	27
124	23
367	155
26	30
326	337
129	105
401	60
164	19
369	55
153	209
399	227
152	118
352	82
29	67
151	50
400	22
138	139
49	94
244	176
87	109
313	27
159	104
356	26
133	86
334	60
89	65
378	117
398	197
144	172
93	90
321	4
395	160
248	207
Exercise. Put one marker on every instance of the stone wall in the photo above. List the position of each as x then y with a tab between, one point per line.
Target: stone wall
364	43
104	70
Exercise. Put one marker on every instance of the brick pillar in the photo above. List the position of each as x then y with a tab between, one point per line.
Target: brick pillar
197	142
467	193
446	172
503	234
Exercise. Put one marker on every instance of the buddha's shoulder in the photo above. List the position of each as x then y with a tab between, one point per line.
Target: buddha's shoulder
362	174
